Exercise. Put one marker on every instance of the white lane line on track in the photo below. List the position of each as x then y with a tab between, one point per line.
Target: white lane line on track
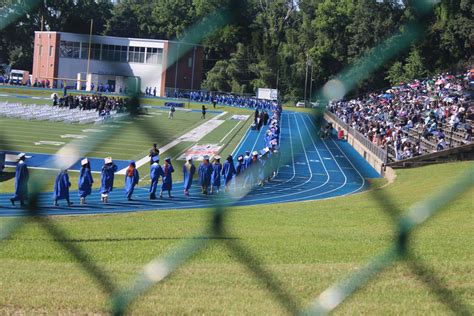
358	172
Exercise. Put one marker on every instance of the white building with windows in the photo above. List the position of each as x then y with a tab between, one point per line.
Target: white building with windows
92	61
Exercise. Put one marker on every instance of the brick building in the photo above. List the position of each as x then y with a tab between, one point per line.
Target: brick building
76	60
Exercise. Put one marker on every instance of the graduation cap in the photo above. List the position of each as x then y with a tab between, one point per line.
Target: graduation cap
205	157
217	157
155	158
188	158
132	162
21	155
255	153
168	159
240	158
84	162
108	160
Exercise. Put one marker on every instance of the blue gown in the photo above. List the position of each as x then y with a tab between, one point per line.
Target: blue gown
21	182
228	171
188	176
107	178
216	174
204	173
155	173
167	178
61	186
131	182
84	184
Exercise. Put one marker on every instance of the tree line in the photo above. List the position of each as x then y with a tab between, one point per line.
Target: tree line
264	43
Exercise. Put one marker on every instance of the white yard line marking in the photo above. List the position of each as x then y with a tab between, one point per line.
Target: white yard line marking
196	133
230	131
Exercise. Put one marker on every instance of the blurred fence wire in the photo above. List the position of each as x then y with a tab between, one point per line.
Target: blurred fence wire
163	267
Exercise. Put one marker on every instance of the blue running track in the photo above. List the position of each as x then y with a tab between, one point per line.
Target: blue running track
312	169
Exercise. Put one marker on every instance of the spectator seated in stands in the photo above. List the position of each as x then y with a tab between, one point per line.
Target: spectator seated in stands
421	108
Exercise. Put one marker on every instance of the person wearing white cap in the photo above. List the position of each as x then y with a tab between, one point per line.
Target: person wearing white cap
21	181
255	170
167	184
84	184
107	179
61	188
188	173
204	172
216	174
155	173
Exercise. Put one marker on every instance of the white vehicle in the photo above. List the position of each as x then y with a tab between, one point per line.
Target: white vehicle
19	76
300	104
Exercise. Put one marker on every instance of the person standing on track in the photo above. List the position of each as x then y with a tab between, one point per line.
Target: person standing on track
228	171
167	184
204	172
188	173
203	112
107	179
61	188
155	173
216	174
84	184
131	179
21	181
239	177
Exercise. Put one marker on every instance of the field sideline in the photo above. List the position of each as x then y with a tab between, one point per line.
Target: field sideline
307	245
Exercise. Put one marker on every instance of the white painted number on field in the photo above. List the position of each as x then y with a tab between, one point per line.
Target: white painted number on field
51	143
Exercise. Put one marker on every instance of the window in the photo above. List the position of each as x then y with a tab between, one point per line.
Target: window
154	55
114	53
136	54
40	49
50	50
69	49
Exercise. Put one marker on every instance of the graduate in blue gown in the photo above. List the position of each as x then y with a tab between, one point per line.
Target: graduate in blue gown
155	173
107	179
216	174
247	170
61	188
21	181
204	173
131	179
167	184
84	184
228	171
188	173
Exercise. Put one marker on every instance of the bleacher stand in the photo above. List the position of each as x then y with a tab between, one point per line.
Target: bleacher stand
422	116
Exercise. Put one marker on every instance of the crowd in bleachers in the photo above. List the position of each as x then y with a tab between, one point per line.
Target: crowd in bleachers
413	118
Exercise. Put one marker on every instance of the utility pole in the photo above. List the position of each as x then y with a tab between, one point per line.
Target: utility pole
311	82
306	80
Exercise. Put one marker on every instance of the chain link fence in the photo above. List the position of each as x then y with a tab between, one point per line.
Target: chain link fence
163	267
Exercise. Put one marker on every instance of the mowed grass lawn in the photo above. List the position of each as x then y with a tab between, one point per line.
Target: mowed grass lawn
131	139
307	246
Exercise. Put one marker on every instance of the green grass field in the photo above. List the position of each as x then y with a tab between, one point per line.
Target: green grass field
129	140
308	246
